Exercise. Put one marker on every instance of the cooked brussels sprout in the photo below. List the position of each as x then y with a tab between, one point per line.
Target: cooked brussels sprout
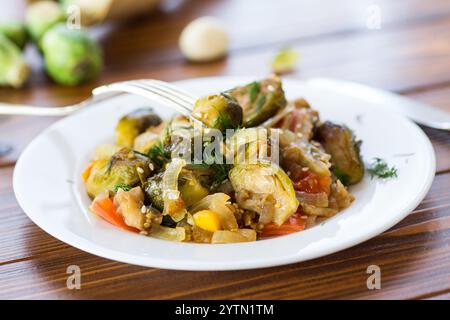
133	124
14	70
260	100
41	16
191	189
343	147
219	111
71	55
16	32
123	168
250	145
154	191
265	189
299	155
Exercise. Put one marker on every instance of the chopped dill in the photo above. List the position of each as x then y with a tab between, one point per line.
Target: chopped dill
122	186
379	168
158	154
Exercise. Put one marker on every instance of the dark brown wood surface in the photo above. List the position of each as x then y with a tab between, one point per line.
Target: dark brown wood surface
410	55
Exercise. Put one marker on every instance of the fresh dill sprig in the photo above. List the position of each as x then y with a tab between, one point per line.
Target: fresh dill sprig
158	154
122	186
379	168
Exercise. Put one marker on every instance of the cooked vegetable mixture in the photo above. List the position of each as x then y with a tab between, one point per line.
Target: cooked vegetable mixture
279	171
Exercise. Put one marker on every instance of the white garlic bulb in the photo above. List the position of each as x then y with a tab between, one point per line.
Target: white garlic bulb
204	39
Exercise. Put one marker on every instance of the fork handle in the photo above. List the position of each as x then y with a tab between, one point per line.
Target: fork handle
27	110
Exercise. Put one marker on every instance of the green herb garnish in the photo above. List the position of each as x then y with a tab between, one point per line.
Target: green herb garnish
122	186
254	90
379	168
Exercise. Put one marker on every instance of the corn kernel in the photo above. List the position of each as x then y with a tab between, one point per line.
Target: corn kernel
207	220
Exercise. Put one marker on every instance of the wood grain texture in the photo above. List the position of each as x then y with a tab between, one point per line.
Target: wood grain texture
410	54
413	255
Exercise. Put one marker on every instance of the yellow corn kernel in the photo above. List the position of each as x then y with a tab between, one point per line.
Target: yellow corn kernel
207	220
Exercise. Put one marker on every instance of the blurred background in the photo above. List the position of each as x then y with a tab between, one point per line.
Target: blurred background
400	46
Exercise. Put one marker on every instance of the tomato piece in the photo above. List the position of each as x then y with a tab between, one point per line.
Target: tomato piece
312	183
295	223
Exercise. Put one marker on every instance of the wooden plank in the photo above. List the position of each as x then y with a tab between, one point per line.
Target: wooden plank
390	59
414	258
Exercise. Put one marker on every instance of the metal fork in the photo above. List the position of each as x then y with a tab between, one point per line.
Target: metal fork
154	90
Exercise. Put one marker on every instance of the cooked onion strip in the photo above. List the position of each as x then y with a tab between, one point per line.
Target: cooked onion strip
315	199
173	204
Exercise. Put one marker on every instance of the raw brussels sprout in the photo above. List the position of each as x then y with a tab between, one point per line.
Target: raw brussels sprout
71	56
14	70
219	111
16	32
343	147
154	191
133	124
41	16
265	189
260	100
124	168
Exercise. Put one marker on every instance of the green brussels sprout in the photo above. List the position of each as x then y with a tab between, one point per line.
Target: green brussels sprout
219	111
41	16
14	70
260	100
266	189
124	168
71	56
135	123
344	149
16	32
154	191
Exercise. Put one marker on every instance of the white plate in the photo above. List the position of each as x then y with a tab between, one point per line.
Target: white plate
48	185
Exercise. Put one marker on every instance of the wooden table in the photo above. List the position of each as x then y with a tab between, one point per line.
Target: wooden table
409	54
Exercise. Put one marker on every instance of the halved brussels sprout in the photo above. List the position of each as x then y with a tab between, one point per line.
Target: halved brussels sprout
250	145
299	155
135	123
218	111
191	188
154	191
265	189
344	149
123	168
259	100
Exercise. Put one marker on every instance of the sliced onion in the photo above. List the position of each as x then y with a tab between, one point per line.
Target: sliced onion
321	212
241	235
173	204
315	199
218	202
166	233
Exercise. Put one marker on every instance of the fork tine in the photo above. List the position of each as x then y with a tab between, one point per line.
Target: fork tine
146	90
166	95
182	98
173	89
